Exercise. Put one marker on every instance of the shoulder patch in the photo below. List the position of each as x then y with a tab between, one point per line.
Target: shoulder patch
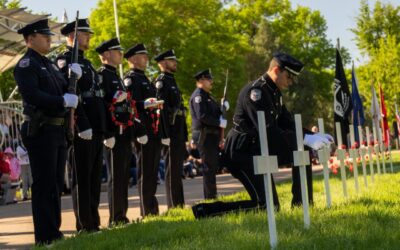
197	99
24	63
61	63
159	84
127	82
255	95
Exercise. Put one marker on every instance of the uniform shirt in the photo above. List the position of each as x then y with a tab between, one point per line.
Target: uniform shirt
205	111
94	110
168	90
141	88
41	84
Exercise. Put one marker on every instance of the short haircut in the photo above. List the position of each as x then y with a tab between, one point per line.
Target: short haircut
273	64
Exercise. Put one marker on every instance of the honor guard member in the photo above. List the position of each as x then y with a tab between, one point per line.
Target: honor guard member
121	119
174	111
91	127
207	122
242	143
43	90
148	152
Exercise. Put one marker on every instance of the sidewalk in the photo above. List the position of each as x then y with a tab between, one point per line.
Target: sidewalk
16	226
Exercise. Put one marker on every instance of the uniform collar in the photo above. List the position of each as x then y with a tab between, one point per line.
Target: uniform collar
139	71
110	68
34	53
168	74
269	83
80	52
203	91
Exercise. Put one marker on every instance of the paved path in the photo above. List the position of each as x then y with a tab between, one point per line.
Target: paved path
16	226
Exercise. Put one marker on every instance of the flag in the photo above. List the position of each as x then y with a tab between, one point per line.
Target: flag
385	124
397	118
342	99
375	111
358	110
64	18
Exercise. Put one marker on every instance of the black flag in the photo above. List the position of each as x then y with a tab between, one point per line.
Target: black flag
342	99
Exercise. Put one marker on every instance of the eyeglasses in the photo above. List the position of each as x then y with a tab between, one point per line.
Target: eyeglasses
292	77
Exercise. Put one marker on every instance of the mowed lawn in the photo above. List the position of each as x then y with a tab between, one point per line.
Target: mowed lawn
369	220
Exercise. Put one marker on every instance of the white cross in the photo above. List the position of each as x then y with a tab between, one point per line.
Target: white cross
390	152
323	156
301	158
383	150
266	165
376	150
354	155
341	155
370	149
363	152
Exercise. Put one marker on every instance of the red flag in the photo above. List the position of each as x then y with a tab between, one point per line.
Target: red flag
385	125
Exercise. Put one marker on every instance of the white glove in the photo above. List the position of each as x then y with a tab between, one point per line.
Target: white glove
70	100
225	103
165	141
76	69
110	142
86	134
152	102
222	122
120	96
143	139
316	141
328	136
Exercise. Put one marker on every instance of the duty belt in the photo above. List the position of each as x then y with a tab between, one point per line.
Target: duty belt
88	94
57	121
121	109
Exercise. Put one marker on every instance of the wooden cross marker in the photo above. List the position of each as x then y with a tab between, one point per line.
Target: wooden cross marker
354	155
383	150
323	156
390	151
341	155
266	165
376	150
363	152
370	149
301	158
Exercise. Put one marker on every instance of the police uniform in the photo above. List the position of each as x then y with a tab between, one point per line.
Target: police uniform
206	133
42	87
122	124
174	111
86	185
148	154
242	141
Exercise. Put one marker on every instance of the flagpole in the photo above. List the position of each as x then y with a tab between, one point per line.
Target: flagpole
121	71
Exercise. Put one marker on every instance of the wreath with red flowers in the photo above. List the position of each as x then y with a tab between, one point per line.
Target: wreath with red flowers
132	114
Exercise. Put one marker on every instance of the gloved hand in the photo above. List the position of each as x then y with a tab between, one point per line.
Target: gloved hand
166	141
76	69
110	142
152	102
119	96
86	134
222	122
316	141
225	103
143	139
70	100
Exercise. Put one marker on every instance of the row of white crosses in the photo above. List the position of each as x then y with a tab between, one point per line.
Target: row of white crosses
267	165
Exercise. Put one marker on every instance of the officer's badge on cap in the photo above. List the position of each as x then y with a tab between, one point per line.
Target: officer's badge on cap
112	44
41	27
255	95
136	49
167	55
83	25
203	74
289	63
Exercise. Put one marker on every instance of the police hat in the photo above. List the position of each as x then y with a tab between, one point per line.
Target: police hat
83	25
203	74
112	44
289	63
41	27
167	55
136	49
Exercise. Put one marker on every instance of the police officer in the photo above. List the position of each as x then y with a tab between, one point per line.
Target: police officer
121	121
148	152
168	90
207	122
264	94
43	90
91	126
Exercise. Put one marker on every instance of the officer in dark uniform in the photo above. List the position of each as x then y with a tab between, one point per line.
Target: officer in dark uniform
148	152
207	122
242	142
43	90
121	119
91	126
168	90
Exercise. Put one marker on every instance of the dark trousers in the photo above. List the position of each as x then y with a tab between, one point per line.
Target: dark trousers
173	173
296	186
118	178
148	164
86	185
209	154
47	155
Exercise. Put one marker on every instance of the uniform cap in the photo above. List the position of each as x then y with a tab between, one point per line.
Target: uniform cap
203	74
41	27
112	44
83	25
289	63
167	55
136	49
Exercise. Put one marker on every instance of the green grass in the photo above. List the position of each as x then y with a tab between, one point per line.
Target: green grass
369	220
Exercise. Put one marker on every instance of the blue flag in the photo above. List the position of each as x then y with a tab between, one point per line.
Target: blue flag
358	110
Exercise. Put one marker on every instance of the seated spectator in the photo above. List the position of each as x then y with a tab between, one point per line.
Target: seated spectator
26	175
15	168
